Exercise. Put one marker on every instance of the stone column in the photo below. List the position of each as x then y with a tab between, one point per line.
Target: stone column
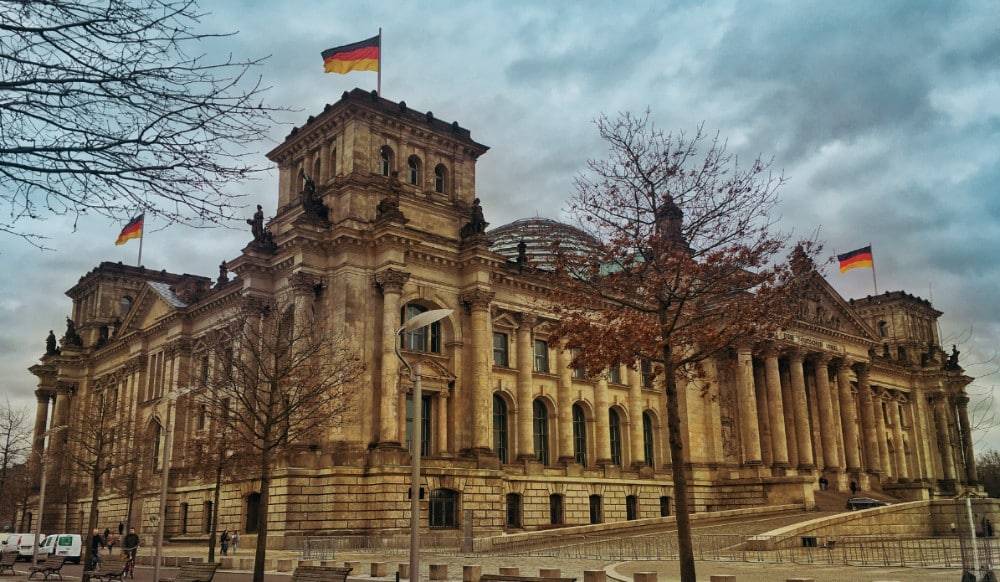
776	413
870	440
882	433
962	402
391	282
897	437
763	422
602	432
788	400
826	419
304	293
564	408
635	421
848	419
441	424
41	419
478	302
939	402
525	368
749	429
801	405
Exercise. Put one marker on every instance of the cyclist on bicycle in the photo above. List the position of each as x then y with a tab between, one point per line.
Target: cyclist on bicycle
131	543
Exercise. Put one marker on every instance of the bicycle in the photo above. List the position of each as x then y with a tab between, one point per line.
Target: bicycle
129	554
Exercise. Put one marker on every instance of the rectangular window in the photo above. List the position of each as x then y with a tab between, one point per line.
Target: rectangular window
615	375
500	355
578	372
425	424
647	373
542	356
513	510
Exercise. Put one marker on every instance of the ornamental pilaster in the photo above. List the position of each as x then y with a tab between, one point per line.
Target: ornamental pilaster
477	301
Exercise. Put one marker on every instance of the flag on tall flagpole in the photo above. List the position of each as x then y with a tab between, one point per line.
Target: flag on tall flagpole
859	259
359	56
132	230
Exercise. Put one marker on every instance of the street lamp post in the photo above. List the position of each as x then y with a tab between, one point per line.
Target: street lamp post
41	495
421	320
165	478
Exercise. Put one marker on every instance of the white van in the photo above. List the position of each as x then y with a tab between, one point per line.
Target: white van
22	543
69	545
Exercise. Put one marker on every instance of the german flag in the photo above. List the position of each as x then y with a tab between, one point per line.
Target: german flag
358	56
861	258
132	230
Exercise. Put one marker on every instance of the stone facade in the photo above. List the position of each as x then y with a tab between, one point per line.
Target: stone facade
378	220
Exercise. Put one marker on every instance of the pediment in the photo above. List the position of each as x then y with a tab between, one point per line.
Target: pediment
820	306
148	309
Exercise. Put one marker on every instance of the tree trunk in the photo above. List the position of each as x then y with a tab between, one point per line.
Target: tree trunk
215	514
261	551
685	548
92	522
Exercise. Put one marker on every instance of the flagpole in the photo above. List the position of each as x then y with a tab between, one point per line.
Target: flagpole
142	235
874	281
379	62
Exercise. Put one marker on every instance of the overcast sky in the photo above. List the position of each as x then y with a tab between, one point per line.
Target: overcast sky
884	116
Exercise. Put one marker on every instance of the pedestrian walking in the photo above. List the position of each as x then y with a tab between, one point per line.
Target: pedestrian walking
234	540
224	541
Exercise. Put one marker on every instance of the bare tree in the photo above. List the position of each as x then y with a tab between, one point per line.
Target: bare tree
15	442
112	107
215	455
98	444
988	469
686	267
16	492
284	380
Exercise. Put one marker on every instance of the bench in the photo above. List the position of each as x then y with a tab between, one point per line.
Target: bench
7	560
194	572
320	574
50	567
111	568
506	578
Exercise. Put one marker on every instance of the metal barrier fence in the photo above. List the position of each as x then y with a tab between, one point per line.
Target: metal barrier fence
941	552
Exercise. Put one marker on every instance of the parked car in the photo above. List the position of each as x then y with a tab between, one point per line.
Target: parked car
22	543
69	545
864	503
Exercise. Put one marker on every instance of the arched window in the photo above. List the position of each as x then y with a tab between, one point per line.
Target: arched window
595	509
440	178
413	170
883	329
333	163
513	510
556	509
615	430
647	439
253	513
631	507
157	434
425	339
385	160
126	305
579	435
540	422
500	427
443	509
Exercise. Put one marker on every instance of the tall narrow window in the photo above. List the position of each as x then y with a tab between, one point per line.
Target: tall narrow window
556	509
413	170
615	375
665	506
595	509
540	422
126	305
425	424
615	428
206	518
646	367
184	518
579	372
424	339
500	354
631	507
579	435
513	510
541	356
253	513
440	175
385	160
443	509
500	428
647	439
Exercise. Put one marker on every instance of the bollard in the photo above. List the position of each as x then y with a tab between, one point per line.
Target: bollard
644	577
722	578
549	573
404	571
471	573
380	569
246	564
508	571
595	576
355	566
226	563
438	572
284	564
